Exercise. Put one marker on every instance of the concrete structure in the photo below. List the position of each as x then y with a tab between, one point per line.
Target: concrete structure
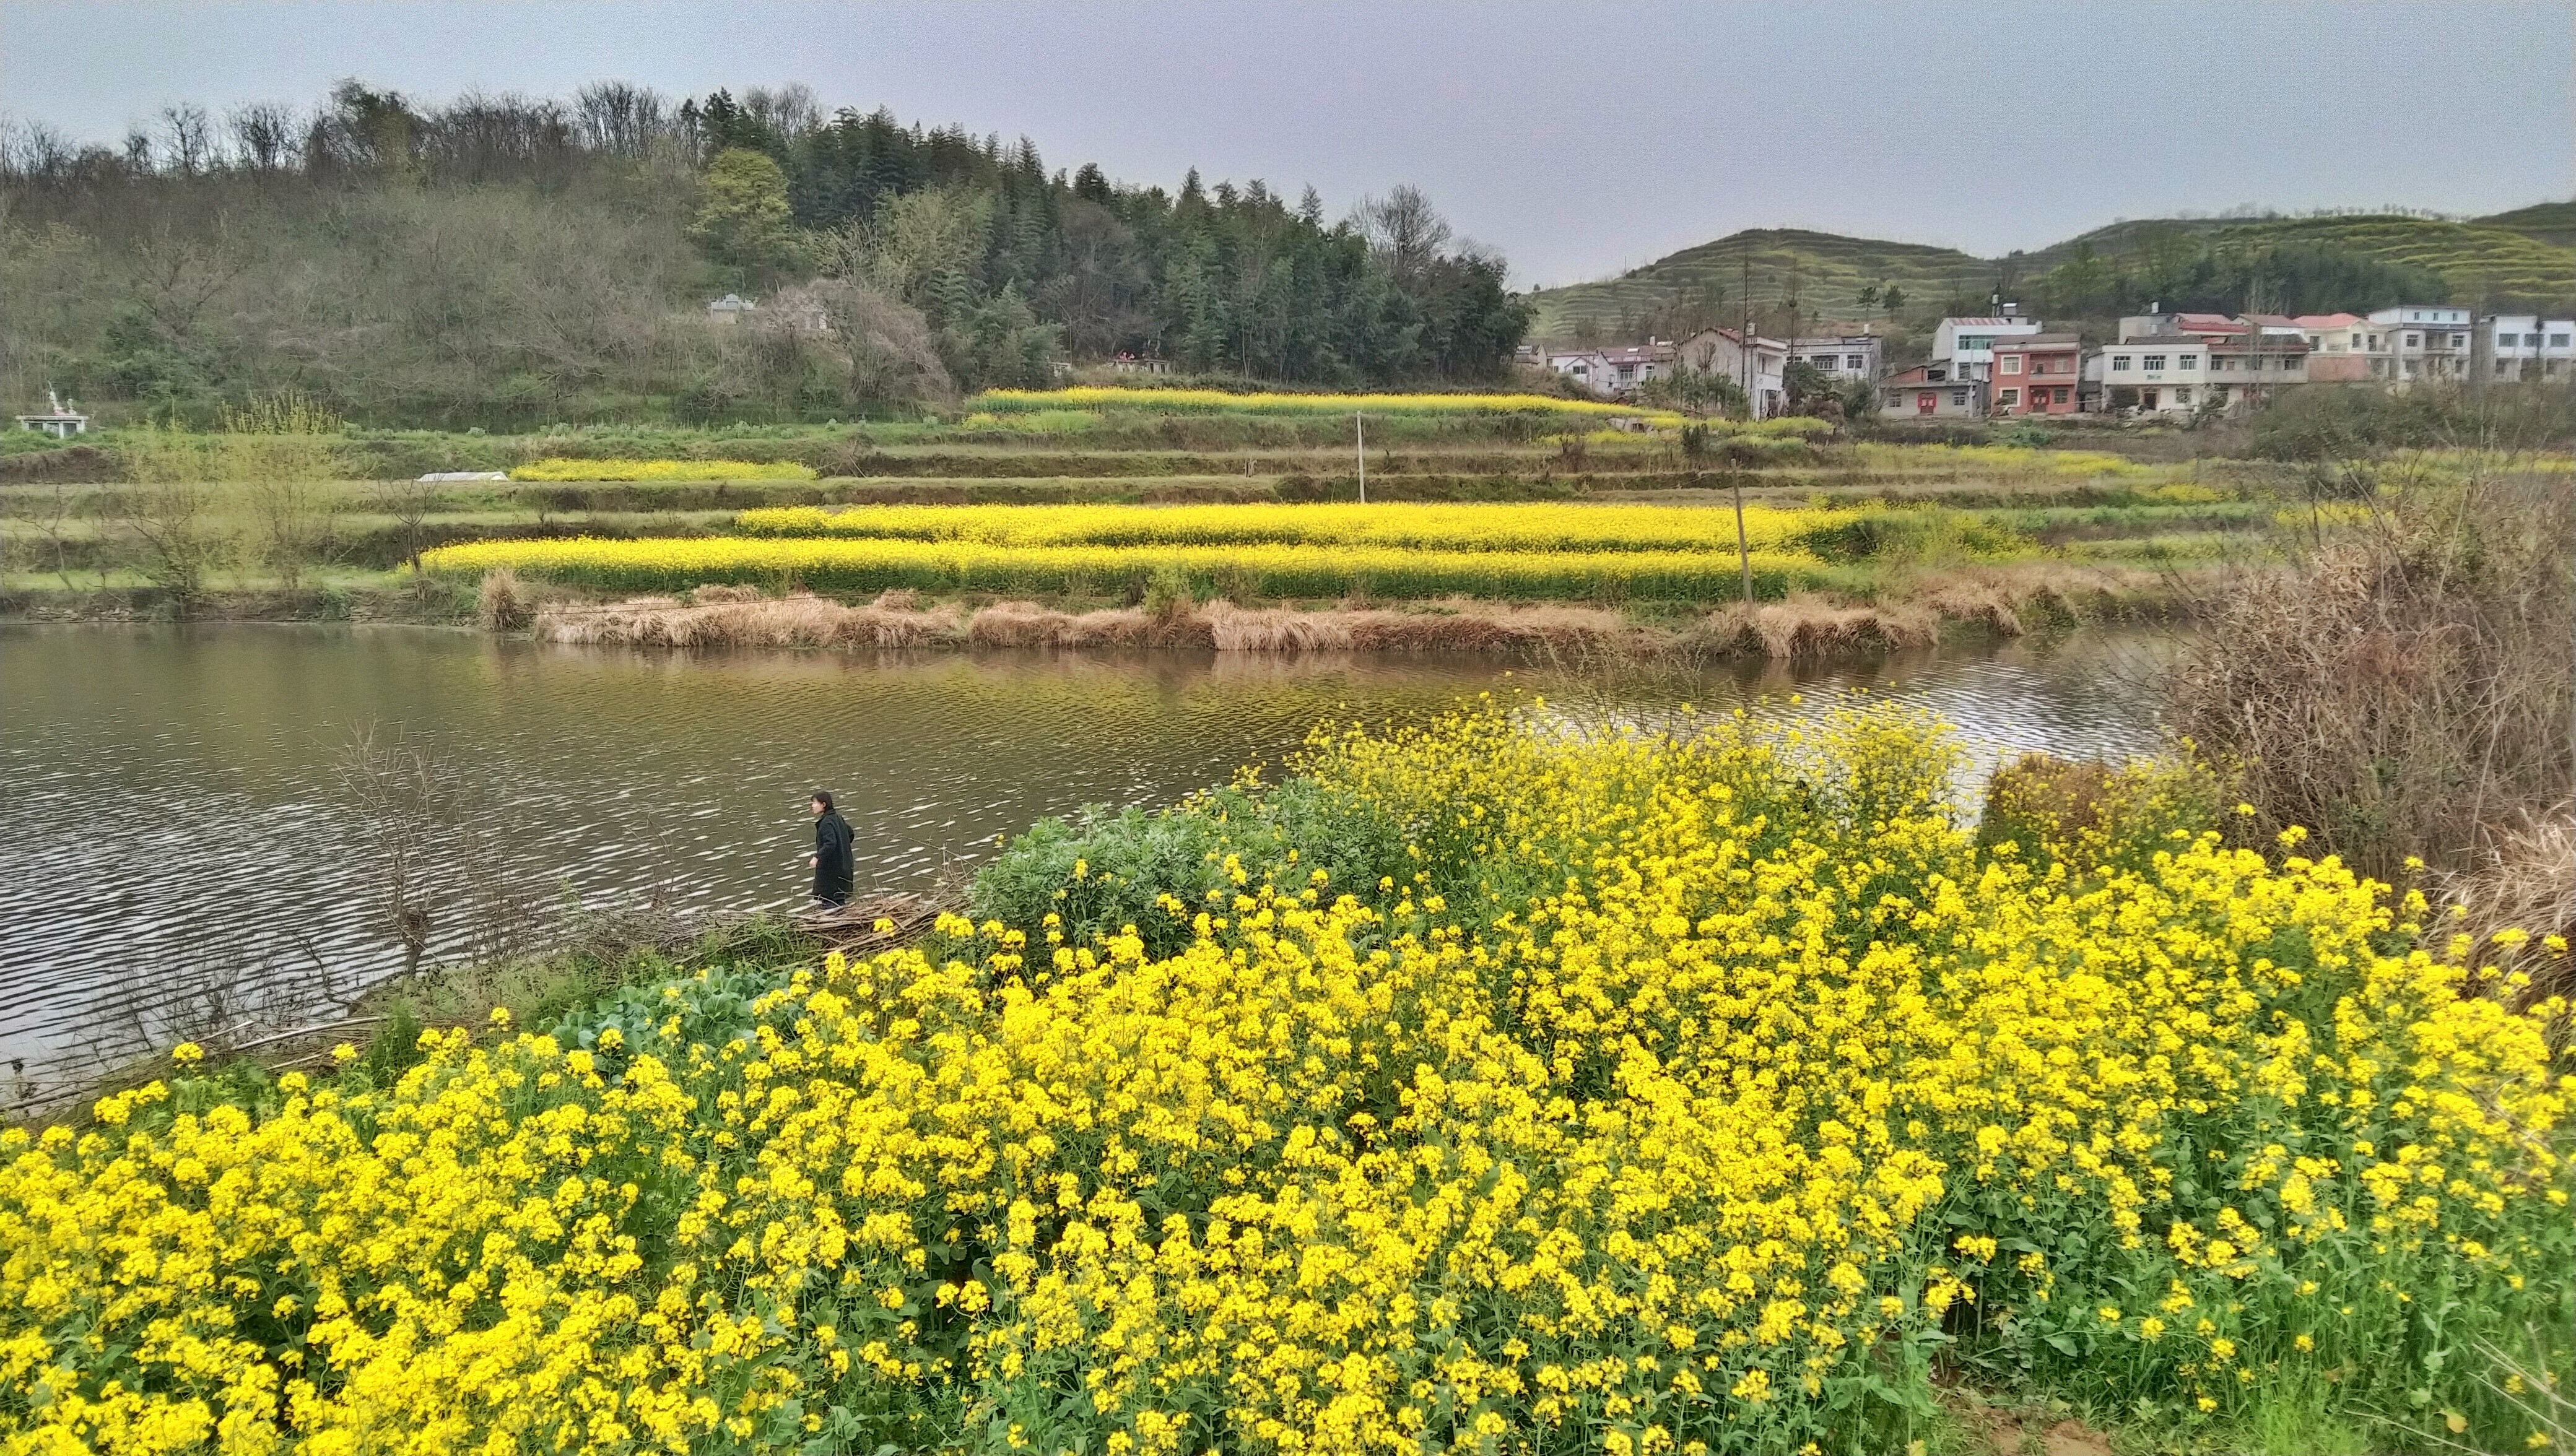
2340	347
60	420
2156	373
730	309
1756	369
1614	370
1934	391
2269	352
2527	346
2425	341
1968	344
1137	364
2036	374
1843	357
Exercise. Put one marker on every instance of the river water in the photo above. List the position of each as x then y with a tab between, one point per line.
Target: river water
180	839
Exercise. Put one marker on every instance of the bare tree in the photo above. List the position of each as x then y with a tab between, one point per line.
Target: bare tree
49	514
402	799
293	526
187	139
620	119
175	537
409	502
263	136
1405	230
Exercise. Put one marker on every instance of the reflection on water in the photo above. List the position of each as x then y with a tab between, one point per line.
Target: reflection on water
175	817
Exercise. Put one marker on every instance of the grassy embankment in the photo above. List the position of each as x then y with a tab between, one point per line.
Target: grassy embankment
1906	535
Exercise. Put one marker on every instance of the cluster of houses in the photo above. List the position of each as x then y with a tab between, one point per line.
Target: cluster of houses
2161	363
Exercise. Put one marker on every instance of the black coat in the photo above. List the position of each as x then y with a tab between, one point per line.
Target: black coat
834	866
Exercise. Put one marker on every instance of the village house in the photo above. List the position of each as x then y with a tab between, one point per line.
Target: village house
2342	347
1843	357
1583	366
2425	341
2036	374
1933	391
730	309
2526	346
2156	373
1968	344
1625	366
60	420
1757	370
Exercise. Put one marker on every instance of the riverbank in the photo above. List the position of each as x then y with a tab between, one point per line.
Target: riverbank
1992	604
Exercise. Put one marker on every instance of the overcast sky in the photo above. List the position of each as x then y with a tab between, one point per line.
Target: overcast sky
1579	139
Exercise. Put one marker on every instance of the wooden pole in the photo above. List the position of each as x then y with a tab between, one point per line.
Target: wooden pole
1359	438
1743	553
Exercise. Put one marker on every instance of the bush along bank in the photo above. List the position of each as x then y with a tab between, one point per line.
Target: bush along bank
1476	1085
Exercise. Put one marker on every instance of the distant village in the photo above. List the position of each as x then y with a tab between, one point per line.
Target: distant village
2160	364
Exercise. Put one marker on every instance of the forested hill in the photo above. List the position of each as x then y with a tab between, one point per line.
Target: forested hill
2525	258
507	261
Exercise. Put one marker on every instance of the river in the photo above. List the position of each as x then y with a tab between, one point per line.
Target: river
181	842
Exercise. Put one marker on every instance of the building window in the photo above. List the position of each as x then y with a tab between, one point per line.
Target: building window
1855	361
1959	397
2187	361
2120	363
2011	397
2011	364
2155	362
2058	395
2458	339
2558	341
2414	341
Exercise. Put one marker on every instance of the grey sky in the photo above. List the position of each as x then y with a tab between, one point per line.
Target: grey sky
1578	139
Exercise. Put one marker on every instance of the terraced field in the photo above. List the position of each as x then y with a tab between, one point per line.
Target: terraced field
2527	256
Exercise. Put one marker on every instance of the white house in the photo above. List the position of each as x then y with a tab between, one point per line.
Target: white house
1842	356
2527	346
730	309
1969	343
1757	370
2156	373
2425	341
60	420
1583	366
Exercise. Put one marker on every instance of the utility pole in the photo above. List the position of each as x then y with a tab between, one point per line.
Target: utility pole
1359	440
1743	553
1744	337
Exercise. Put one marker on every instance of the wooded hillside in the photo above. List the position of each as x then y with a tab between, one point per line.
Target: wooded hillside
506	261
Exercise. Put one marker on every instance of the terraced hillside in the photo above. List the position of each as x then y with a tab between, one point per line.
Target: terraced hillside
2526	256
2551	222
1827	271
2487	261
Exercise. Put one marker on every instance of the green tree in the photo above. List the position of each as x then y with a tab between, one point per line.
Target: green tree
744	222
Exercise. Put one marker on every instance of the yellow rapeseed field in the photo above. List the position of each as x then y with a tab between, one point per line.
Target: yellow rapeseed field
864	564
1659	1095
1413	526
568	468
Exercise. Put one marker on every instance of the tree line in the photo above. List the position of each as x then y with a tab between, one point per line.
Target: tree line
510	260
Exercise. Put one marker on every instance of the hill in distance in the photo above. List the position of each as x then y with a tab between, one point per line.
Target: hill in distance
2525	257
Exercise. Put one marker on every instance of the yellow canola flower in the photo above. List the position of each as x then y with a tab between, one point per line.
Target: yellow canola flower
1685	1088
866	564
1407	525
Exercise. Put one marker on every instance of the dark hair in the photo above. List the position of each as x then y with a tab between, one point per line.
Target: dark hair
824	798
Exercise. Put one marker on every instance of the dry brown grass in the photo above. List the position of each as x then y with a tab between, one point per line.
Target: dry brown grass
2527	883
2405	689
726	617
1802	627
